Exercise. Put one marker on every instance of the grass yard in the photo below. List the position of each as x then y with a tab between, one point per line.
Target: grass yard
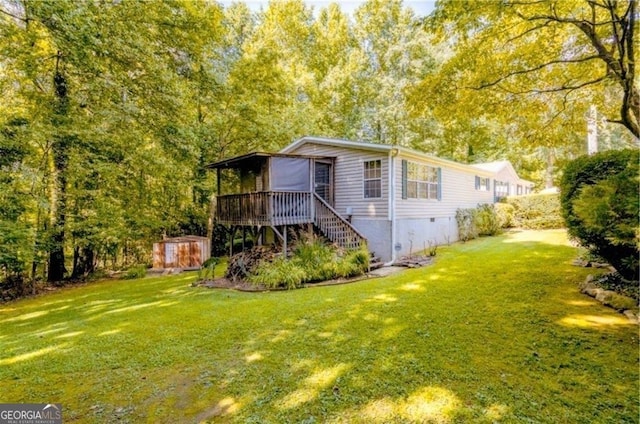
495	331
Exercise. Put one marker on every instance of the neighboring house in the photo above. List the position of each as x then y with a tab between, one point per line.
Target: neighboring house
399	200
506	181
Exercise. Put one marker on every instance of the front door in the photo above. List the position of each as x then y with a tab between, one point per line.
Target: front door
322	181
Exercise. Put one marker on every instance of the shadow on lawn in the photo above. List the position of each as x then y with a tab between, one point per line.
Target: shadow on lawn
490	353
70	320
463	340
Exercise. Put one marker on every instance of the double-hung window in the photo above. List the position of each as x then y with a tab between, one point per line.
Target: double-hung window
483	184
501	189
372	179
422	181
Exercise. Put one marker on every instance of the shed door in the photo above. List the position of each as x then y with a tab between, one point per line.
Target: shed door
183	255
170	255
322	181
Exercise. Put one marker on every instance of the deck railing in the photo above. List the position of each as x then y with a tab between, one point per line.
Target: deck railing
265	208
334	227
271	208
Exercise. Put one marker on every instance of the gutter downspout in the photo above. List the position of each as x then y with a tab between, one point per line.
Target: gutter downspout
392	203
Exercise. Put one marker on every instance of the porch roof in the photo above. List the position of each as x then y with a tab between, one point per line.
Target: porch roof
253	158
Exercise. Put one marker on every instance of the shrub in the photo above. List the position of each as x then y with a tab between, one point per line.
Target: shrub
207	270
280	273
486	220
311	261
466	220
316	258
536	211
600	205
354	262
219	240
505	214
476	221
136	271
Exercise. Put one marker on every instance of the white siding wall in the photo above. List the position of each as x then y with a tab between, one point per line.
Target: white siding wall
348	179
420	222
506	176
458	191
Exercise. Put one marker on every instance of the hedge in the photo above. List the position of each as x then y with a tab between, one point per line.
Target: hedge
600	203
536	211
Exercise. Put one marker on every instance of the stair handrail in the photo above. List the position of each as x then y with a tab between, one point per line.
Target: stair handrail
341	219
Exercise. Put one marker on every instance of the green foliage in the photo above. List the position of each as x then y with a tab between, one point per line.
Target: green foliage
330	349
219	242
16	182
505	213
353	263
521	90
466	220
136	271
311	261
316	258
536	211
111	111
433	248
600	204
280	273
208	268
621	303
486	220
474	222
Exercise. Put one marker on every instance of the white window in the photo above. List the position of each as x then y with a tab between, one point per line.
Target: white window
483	184
501	189
372	179
422	181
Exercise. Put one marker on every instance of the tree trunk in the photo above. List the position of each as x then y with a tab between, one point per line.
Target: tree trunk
550	168
83	262
60	150
57	269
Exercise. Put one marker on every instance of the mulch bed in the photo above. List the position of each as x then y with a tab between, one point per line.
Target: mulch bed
240	285
225	283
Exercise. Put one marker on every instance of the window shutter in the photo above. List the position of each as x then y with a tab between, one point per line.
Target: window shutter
439	183
404	179
477	182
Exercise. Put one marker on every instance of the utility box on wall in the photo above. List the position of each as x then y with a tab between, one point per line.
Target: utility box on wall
187	252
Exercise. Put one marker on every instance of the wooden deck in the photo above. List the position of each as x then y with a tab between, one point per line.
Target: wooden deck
267	208
276	208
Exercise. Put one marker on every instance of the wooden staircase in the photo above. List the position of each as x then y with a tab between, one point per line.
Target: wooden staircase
334	227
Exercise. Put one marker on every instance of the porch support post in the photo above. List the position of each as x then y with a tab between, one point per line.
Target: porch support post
218	180
259	236
284	244
232	233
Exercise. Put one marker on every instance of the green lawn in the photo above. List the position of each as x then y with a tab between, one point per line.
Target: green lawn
495	331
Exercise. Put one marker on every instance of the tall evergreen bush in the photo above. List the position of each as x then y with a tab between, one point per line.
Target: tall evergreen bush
600	204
